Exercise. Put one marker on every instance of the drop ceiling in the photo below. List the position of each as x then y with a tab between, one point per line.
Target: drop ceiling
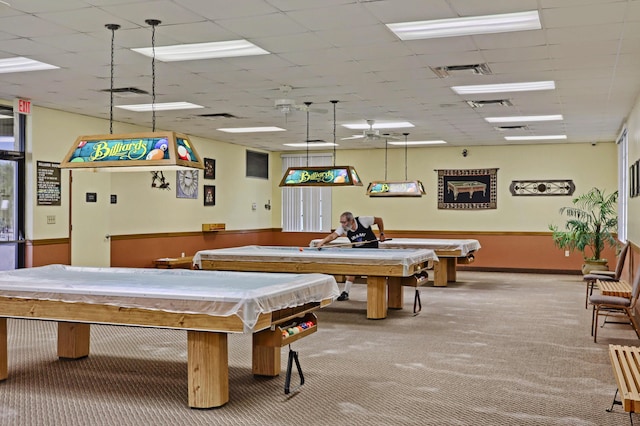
332	50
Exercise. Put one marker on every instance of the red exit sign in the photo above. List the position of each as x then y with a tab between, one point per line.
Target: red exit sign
24	106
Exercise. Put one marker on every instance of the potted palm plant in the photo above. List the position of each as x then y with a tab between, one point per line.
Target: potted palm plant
591	225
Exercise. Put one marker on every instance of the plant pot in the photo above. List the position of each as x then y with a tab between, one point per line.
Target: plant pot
594	265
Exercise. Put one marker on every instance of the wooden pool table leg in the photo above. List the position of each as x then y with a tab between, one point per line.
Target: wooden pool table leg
376	297
395	292
440	269
208	369
266	353
451	270
4	361
73	340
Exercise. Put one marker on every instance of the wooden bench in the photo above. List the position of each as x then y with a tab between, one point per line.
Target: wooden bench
625	361
174	262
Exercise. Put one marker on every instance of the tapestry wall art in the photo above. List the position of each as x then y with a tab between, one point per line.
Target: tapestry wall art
467	189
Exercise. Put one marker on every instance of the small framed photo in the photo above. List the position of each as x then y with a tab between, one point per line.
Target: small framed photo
209	168
209	195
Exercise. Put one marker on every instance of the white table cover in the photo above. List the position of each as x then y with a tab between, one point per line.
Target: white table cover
465	246
218	293
335	255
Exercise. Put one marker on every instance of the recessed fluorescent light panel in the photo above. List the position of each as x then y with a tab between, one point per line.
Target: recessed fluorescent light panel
311	144
167	106
21	64
417	143
534	138
251	129
523	118
472	25
199	51
389	125
505	87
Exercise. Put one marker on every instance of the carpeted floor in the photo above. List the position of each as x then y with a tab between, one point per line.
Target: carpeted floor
492	349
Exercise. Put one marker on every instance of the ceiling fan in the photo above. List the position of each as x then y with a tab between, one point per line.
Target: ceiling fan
371	134
287	105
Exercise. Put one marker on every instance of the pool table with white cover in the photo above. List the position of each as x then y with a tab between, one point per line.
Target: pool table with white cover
379	265
208	304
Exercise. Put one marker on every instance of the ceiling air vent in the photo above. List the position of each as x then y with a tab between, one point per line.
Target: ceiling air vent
449	70
126	92
217	115
494	102
510	128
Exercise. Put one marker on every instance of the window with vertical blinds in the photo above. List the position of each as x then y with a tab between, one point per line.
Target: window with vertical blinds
306	209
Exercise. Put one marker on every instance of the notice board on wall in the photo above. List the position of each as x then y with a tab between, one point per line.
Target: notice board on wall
48	183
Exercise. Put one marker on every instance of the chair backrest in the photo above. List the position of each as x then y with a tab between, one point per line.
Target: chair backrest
635	289
621	258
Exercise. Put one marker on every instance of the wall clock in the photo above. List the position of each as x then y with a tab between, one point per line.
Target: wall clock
187	184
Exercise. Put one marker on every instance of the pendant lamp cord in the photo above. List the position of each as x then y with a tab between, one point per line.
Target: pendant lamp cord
386	144
113	28
405	155
307	139
334	132
153	23
308	104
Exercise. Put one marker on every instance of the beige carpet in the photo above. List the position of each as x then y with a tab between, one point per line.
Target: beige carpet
492	349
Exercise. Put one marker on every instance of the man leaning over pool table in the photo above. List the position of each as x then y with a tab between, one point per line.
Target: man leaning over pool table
358	230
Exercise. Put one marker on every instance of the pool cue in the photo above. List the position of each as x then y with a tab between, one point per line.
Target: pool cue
353	243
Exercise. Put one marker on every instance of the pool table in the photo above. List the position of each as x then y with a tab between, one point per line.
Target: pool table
461	186
207	304
449	252
387	270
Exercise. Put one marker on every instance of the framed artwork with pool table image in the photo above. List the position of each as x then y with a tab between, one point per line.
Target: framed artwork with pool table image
467	189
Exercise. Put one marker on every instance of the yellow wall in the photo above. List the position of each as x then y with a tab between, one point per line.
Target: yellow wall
142	209
633	135
585	164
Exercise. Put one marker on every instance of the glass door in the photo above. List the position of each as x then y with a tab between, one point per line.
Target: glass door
12	241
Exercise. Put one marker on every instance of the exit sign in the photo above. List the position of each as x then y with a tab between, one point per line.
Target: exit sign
24	106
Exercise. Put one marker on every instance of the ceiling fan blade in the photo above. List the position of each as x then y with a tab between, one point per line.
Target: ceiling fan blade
306	108
352	137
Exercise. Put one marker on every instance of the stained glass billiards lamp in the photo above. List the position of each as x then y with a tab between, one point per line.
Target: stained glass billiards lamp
133	152
404	188
321	175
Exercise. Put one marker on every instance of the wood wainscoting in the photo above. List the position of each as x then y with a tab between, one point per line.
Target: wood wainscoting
501	251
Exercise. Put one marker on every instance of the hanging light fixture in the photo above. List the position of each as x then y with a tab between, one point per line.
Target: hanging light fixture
321	175
405	188
132	152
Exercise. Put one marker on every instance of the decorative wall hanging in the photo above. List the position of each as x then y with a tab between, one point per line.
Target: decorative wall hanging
542	187
209	195
187	184
471	189
209	168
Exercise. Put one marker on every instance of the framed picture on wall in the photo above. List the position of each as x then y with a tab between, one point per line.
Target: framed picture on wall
632	180
187	184
209	168
467	189
209	195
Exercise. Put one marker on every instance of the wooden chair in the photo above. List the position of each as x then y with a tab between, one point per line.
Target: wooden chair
615	305
614	275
